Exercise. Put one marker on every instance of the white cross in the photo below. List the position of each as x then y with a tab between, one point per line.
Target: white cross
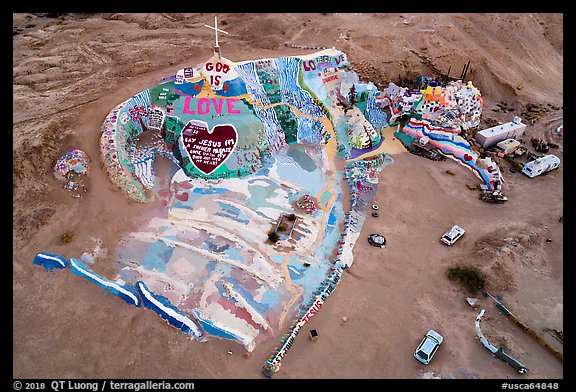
216	29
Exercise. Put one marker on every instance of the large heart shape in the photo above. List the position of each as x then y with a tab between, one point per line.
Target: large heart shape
208	149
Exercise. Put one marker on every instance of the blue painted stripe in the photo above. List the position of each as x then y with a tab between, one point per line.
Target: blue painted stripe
142	99
217	331
288	69
309	130
167	311
247	73
50	261
108	285
374	114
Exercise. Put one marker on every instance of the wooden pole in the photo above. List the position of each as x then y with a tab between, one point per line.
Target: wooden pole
466	70
529	331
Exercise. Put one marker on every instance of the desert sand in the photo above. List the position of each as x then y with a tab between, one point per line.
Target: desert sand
70	70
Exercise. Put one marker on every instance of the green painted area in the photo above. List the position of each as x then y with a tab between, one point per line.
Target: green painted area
288	122
362	101
162	94
298	153
325	197
174	126
269	79
405	138
415	110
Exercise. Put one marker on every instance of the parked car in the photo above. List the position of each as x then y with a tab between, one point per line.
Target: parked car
452	235
428	347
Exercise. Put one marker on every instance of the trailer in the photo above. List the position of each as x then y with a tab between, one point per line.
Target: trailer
541	165
490	136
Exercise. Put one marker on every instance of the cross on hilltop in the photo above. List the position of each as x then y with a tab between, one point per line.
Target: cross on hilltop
216	30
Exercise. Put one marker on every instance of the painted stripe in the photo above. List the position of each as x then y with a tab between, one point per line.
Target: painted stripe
266	114
213	329
106	284
172	315
59	259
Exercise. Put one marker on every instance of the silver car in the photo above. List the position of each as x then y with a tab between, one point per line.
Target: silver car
428	347
452	235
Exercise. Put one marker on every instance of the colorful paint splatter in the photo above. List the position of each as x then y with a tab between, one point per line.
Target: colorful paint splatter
73	162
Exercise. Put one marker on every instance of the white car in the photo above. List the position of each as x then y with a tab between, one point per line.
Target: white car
428	347
452	235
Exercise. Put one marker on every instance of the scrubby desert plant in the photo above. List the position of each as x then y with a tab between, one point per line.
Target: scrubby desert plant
67	237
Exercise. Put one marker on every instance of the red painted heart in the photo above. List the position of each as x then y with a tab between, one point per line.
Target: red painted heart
467	157
208	149
182	196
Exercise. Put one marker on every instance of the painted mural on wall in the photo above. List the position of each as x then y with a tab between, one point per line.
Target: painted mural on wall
251	142
441	113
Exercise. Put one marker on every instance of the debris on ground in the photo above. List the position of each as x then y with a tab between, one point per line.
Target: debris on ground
429	376
534	112
558	335
473	302
313	334
307	204
73	167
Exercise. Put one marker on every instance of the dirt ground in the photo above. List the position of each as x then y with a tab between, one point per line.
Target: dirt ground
70	70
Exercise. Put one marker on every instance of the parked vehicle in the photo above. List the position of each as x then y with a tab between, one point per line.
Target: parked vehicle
541	165
452	235
428	346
